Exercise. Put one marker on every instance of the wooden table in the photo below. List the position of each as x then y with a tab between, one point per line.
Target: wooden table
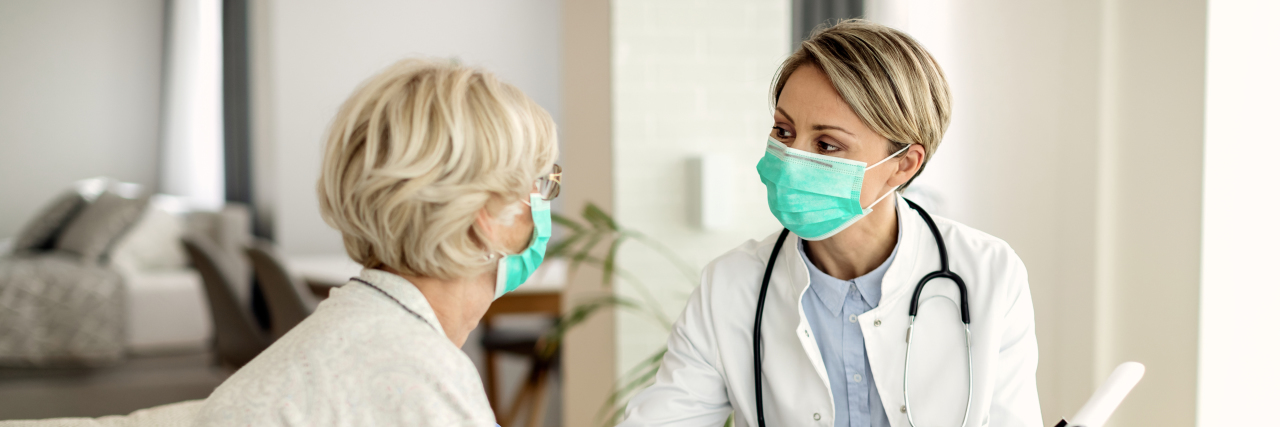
542	294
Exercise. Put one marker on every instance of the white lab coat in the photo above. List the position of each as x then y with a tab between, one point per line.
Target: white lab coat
708	369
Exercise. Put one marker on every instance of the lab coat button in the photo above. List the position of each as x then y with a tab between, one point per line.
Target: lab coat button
817	416
853	318
806	333
903	409
877	322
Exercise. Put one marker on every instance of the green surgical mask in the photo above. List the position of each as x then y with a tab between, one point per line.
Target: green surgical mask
813	195
514	270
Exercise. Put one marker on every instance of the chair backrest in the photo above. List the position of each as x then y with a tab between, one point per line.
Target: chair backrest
237	338
288	303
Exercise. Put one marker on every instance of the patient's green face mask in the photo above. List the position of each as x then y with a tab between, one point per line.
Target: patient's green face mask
514	270
813	195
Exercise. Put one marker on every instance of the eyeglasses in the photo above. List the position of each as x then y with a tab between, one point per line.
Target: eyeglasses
549	185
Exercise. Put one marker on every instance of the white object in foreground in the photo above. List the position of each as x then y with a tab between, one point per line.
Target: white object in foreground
1107	398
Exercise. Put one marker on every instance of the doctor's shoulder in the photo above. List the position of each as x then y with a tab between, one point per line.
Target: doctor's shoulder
984	260
734	277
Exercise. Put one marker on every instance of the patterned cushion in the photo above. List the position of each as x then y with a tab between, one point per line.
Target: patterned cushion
92	233
42	232
54	310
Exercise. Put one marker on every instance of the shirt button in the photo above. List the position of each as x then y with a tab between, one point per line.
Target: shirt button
817	416
853	318
857	378
877	322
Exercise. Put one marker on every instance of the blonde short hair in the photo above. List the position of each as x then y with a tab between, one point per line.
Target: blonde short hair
892	82
416	152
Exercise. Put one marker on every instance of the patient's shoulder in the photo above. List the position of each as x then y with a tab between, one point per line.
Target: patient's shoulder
355	361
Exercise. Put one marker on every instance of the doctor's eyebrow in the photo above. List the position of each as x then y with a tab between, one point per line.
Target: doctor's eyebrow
784	114
825	127
815	127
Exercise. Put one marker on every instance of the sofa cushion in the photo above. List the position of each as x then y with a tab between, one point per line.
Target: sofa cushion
155	243
92	233
41	233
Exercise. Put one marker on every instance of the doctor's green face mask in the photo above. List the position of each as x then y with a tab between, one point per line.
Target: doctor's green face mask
514	270
813	195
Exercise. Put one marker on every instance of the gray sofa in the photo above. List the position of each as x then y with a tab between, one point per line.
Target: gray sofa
100	273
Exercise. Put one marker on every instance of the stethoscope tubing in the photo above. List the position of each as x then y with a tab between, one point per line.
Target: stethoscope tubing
944	272
764	289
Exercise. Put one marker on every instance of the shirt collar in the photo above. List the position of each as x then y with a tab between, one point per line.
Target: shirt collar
402	292
832	291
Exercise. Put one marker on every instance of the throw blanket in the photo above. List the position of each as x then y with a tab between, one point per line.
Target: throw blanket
57	310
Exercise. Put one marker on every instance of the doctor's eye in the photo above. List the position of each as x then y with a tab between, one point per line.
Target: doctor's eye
827	148
780	133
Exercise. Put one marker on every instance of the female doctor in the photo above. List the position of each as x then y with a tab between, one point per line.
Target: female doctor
859	110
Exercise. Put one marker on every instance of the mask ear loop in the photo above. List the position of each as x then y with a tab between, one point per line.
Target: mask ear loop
904	149
895	154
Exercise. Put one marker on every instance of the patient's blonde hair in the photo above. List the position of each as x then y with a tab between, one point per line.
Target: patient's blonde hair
416	152
891	82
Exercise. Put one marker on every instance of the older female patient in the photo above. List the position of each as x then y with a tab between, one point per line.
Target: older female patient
438	177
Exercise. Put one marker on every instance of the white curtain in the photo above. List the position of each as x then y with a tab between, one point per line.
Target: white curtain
192	158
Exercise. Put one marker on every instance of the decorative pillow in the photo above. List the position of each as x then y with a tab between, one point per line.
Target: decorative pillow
92	233
41	232
155	243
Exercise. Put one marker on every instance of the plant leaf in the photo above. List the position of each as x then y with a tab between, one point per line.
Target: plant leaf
578	314
639	376
567	222
558	248
611	261
598	218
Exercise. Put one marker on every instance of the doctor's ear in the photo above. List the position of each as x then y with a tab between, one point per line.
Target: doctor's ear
909	163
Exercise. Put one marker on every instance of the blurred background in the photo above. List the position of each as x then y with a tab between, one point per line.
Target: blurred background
1124	149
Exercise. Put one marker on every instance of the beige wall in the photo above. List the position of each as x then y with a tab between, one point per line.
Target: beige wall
1152	146
1020	160
1078	138
588	360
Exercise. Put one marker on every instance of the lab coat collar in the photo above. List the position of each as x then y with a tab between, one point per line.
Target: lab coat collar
831	291
911	231
404	292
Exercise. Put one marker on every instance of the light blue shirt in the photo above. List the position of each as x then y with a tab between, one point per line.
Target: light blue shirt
832	306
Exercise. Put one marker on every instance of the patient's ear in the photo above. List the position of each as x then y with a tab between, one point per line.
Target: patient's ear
504	229
487	226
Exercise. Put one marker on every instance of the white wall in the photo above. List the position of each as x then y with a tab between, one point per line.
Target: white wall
1238	372
689	78
79	97
319	51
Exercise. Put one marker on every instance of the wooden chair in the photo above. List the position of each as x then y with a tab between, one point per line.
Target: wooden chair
237	337
531	398
288	299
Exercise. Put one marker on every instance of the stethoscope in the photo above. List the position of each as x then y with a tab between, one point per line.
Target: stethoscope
943	273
